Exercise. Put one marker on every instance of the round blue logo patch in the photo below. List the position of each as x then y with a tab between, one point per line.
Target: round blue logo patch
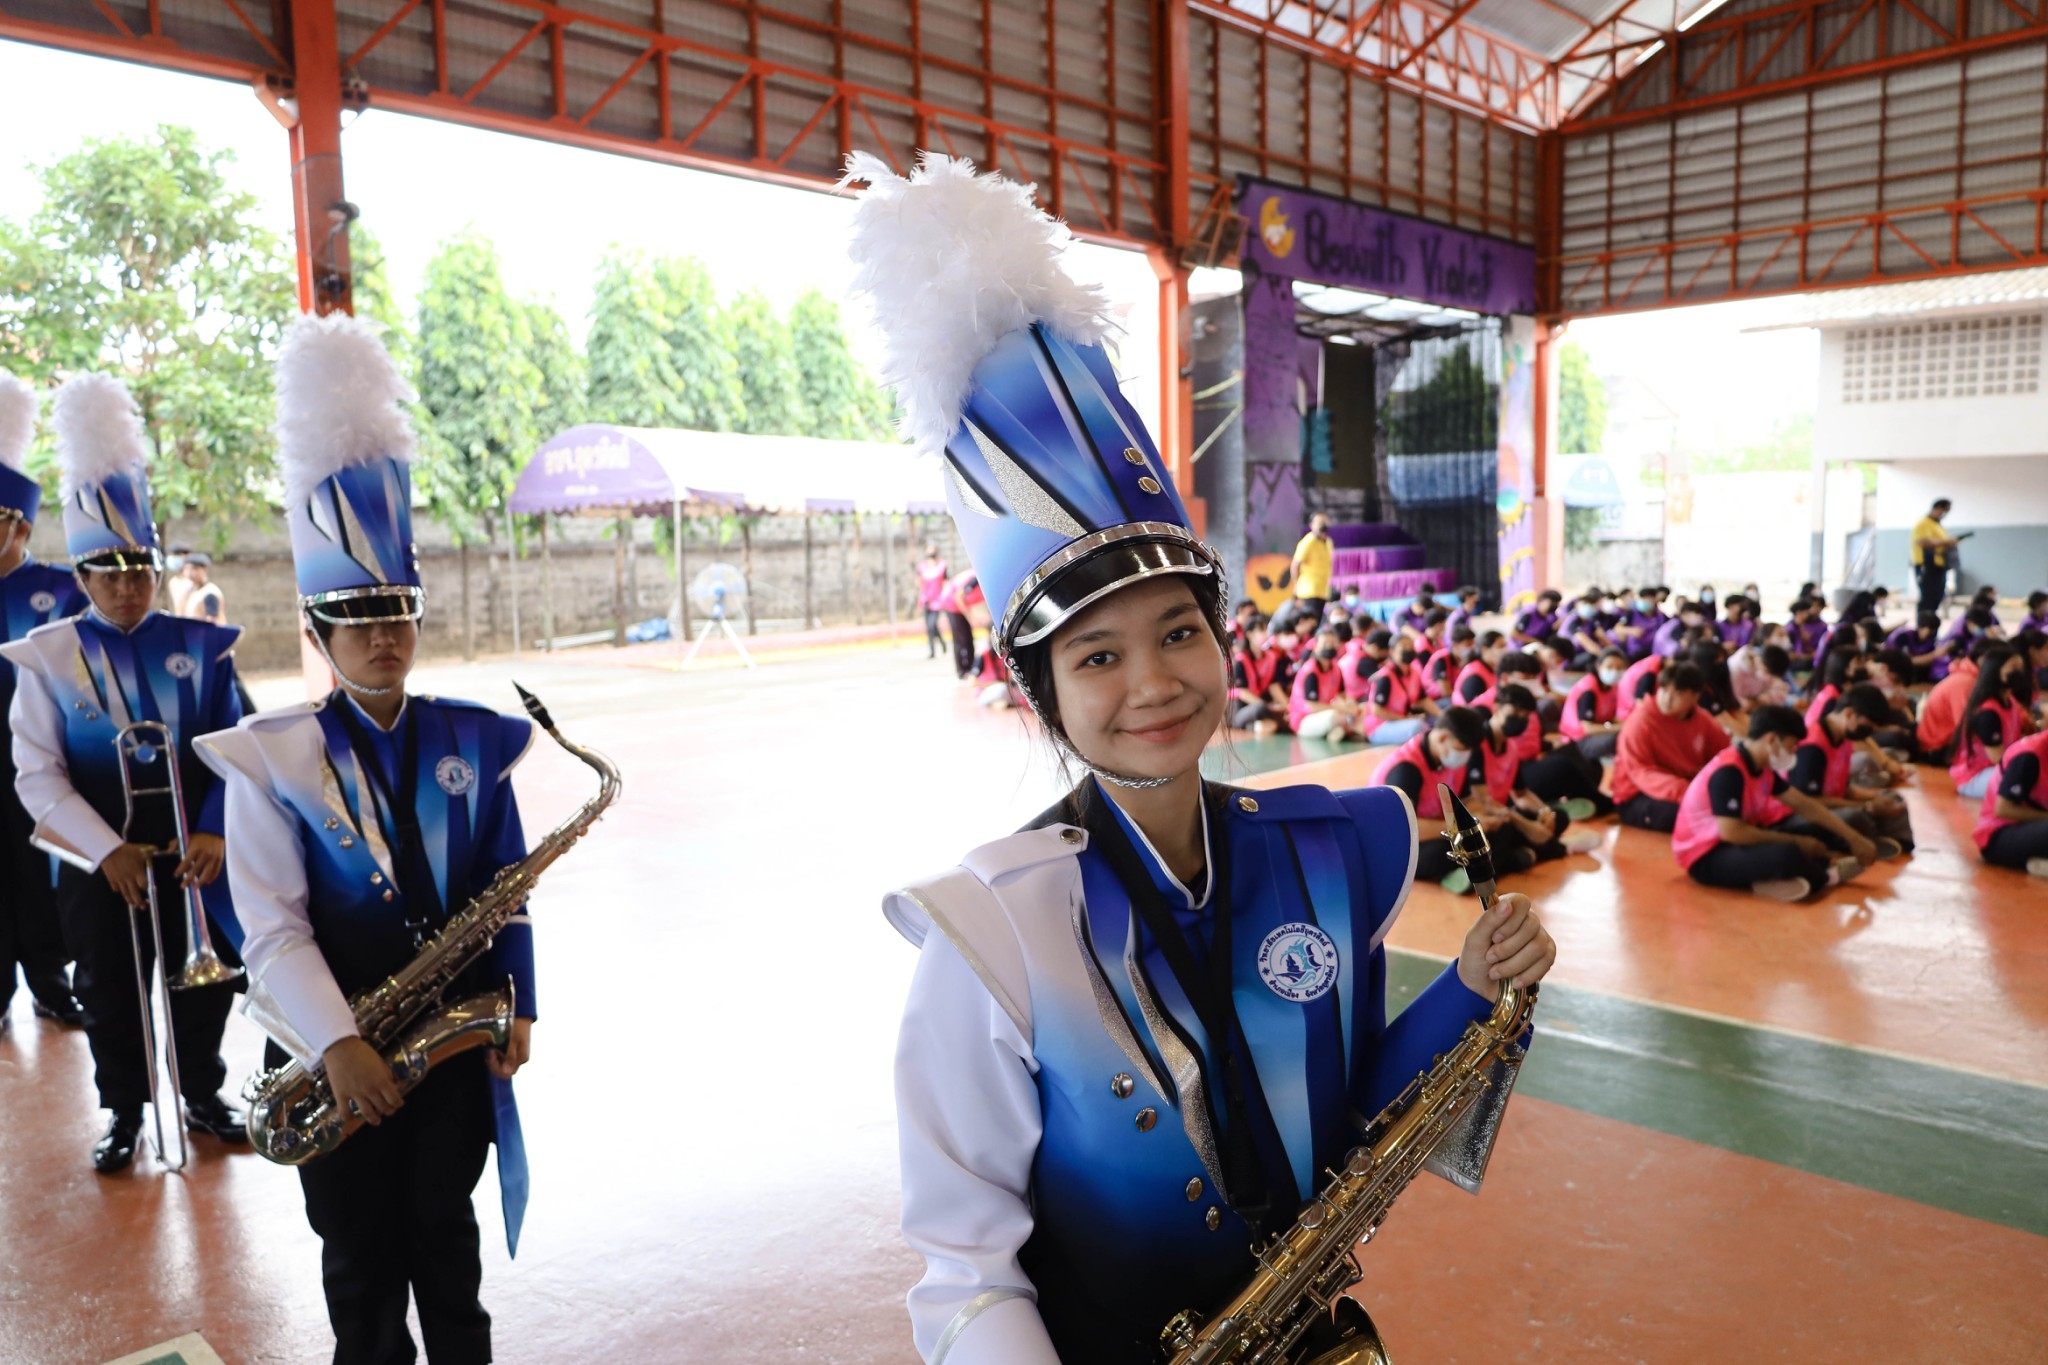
1298	962
180	666
455	775
42	601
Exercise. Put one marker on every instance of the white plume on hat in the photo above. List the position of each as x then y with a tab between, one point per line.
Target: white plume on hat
99	431
340	402
17	420
953	263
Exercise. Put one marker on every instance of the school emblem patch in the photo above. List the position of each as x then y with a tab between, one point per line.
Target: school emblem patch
42	601
455	775
181	666
1298	962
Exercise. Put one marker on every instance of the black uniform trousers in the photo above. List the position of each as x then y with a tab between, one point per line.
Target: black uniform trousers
1739	866
2014	845
30	936
962	633
392	1209
1565	774
104	937
1512	852
1933	580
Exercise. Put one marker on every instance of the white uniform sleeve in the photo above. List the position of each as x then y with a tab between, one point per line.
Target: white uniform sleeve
969	1125
267	872
42	779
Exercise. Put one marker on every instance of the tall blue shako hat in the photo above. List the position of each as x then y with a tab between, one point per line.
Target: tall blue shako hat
344	440
102	461
19	494
997	361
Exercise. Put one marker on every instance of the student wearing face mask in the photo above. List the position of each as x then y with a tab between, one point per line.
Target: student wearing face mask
1671	636
1440	673
1822	769
1258	697
1664	744
1543	826
1479	676
1994	717
1804	632
1742	825
1582	634
1394	708
1636	626
1467	608
1592	708
1535	624
1318	708
1445	754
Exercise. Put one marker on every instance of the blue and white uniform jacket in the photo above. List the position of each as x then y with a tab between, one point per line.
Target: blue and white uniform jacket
1057	1094
321	914
78	683
32	595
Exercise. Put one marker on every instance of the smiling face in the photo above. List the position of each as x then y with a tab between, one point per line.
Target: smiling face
375	654
1138	680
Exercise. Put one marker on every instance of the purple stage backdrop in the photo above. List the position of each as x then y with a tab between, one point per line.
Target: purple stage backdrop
1308	236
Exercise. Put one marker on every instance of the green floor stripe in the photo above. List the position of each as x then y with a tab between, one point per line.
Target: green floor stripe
1956	1141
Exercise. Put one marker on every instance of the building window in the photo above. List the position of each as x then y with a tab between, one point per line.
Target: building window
1950	358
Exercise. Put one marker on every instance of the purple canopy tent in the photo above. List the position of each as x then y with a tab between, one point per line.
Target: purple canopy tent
622	472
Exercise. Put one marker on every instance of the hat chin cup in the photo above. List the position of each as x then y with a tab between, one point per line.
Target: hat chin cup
1095	566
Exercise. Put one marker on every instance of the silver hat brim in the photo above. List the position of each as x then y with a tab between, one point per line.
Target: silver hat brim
1095	566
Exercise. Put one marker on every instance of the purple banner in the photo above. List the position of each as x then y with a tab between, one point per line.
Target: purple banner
1302	235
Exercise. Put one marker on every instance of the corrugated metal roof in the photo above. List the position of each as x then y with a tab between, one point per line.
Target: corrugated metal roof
1915	298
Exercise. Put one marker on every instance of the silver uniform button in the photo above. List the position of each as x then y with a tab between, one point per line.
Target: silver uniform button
387	895
348	841
1149	484
333	823
1072	836
376	879
1146	1118
1194	1189
1247	805
1214	1218
1121	1085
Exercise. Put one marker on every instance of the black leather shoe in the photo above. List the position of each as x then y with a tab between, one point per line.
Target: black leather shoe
66	1011
215	1117
114	1151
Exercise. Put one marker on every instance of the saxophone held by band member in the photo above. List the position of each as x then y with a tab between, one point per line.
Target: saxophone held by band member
292	1115
1292	1312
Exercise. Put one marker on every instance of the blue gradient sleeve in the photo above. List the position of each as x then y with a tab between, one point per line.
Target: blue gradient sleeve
1431	1025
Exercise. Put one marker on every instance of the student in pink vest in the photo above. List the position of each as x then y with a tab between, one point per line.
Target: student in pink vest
1393	706
1638	681
1546	828
1592	709
1318	708
1994	717
2012	830
1478	676
1447	755
931	582
1832	743
1441	670
1742	825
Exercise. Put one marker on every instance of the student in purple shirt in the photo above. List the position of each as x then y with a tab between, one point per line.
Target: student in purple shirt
1737	626
1806	630
1467	608
2037	612
1580	635
1538	622
1635	628
1670	637
1925	650
1411	618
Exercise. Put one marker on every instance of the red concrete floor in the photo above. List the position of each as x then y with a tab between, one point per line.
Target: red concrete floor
1938	958
711	1125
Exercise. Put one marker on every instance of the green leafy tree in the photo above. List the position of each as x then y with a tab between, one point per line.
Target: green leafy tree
700	345
767	359
633	380
144	261
1454	409
480	395
563	401
375	303
1581	403
840	401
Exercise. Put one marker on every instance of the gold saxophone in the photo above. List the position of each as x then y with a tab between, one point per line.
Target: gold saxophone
292	1115
1293	1310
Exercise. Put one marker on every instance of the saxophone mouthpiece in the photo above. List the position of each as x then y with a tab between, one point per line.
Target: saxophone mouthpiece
534	708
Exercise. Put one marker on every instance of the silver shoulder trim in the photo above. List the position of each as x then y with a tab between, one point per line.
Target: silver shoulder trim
915	895
976	1306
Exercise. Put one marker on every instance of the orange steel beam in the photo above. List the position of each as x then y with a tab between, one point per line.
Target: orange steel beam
320	210
1830	40
1943	239
1176	377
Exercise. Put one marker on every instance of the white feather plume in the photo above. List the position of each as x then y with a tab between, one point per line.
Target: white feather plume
99	431
340	402
17	420
953	263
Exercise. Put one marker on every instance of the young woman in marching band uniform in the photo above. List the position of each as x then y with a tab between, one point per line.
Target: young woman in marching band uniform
1141	1027
80	682
361	823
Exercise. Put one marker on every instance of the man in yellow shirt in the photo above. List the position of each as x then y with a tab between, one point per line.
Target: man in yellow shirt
1931	552
1312	566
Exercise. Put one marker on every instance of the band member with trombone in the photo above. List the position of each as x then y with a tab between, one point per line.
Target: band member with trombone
95	697
1143	1027
31	595
362	823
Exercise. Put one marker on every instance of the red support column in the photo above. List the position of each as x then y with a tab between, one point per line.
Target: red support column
1176	382
1547	512
322	211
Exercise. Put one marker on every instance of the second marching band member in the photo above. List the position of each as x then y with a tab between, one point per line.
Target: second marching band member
1140	1028
31	595
79	683
362	822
